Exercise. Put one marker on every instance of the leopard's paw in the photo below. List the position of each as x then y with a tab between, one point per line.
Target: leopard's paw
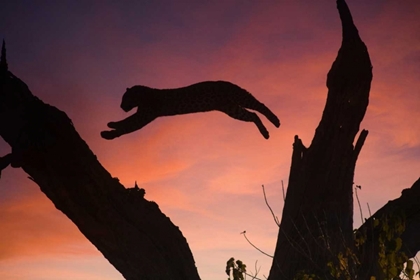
109	135
112	125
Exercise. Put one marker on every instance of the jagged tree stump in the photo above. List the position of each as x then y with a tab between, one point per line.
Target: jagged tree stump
317	221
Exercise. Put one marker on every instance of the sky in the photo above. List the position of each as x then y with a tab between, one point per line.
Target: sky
204	170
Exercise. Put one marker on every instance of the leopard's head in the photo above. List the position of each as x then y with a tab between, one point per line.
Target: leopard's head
134	97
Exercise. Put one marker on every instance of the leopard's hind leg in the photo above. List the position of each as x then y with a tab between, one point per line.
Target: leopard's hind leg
240	113
247	100
260	107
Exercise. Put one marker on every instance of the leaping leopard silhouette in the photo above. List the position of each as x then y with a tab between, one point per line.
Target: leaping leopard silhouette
200	97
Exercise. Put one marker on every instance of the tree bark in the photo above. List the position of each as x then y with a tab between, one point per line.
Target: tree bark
317	221
131	232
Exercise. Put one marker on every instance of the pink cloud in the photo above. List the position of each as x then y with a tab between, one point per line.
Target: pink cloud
32	226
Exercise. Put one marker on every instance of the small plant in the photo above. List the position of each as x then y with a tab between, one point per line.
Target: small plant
391	259
393	263
236	270
340	269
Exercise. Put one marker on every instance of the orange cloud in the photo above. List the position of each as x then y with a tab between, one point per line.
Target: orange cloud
32	226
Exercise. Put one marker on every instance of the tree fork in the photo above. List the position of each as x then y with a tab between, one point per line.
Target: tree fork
317	221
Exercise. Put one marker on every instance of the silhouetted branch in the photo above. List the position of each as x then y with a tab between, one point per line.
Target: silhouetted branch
282	189
258	249
276	220
131	232
360	207
407	204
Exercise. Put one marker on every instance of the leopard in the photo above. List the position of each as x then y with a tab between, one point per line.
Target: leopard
205	96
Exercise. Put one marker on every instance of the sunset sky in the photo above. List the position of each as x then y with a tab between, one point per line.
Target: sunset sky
204	170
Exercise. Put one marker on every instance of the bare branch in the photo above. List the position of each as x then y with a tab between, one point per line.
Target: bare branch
276	219
360	207
282	188
258	249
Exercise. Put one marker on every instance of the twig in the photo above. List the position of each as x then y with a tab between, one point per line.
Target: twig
282	188
244	233
299	248
309	255
360	207
312	235
276	220
417	263
324	231
253	277
370	214
257	270
359	143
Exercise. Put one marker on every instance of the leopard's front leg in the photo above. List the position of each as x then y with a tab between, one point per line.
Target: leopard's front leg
127	125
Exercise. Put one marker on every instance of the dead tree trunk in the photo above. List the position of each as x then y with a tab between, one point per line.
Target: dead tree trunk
317	220
131	232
